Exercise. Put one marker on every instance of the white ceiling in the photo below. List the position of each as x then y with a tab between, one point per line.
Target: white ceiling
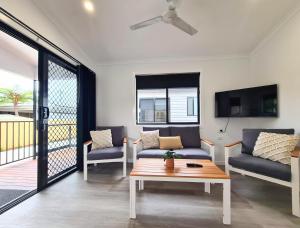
226	27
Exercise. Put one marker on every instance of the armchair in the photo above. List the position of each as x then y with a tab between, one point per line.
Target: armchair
246	164
117	153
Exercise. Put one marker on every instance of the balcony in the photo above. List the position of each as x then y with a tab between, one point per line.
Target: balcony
18	155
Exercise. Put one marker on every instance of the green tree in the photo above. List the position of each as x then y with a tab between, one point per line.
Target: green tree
12	96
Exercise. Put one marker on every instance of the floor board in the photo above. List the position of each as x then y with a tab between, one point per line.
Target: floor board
103	202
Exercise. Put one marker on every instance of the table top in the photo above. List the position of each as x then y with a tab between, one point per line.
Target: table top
156	168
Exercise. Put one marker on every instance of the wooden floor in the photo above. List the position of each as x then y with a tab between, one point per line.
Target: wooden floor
103	202
21	175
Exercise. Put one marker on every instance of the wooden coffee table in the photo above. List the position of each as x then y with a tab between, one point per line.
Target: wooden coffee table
154	170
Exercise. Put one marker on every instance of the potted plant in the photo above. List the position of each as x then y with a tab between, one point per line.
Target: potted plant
169	157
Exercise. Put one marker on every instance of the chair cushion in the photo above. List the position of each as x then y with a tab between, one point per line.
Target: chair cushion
193	153
101	139
261	166
117	134
163	131
106	153
250	136
151	153
190	136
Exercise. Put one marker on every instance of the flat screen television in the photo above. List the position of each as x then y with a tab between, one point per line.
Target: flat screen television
251	102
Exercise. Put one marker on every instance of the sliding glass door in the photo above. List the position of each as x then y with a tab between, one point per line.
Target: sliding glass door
58	114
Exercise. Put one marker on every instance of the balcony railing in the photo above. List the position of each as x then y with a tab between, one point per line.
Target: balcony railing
17	139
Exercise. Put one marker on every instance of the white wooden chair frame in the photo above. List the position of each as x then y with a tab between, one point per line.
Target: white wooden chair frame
295	176
86	162
137	147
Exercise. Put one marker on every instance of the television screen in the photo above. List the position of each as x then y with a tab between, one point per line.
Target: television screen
251	102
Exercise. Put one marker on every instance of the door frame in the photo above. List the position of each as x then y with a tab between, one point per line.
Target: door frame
44	57
41	163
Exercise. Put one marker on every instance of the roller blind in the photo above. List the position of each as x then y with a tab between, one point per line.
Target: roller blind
181	80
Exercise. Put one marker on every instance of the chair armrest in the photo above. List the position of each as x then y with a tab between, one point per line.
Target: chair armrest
125	140
296	153
211	147
207	142
88	143
137	141
233	144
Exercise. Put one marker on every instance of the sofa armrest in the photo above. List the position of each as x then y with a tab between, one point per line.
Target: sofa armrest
228	149
207	142
211	147
296	153
136	148
233	144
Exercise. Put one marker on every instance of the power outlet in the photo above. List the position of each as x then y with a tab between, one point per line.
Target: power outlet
220	135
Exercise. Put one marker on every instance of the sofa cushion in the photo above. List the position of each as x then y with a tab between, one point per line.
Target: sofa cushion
151	153
170	143
150	139
163	131
190	136
106	153
193	153
250	136
261	166
117	134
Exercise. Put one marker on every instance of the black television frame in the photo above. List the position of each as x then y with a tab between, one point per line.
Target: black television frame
244	90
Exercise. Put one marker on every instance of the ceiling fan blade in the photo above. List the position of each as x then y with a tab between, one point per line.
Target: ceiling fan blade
181	24
146	23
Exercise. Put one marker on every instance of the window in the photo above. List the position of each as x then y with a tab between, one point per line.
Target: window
159	104
152	106
192	106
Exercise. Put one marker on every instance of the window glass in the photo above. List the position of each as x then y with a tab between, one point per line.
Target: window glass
183	105
152	106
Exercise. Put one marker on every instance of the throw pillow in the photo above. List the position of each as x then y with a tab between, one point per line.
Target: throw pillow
275	147
150	139
170	143
101	139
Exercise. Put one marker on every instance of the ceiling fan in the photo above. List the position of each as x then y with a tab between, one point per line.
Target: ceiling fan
170	17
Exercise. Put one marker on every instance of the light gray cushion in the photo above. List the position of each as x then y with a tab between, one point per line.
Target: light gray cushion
250	136
117	133
261	166
193	153
190	136
151	153
106	153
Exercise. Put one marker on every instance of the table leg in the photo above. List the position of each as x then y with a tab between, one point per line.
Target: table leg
226	203
132	191
207	187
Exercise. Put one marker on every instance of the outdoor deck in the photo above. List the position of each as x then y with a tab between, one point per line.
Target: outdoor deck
21	175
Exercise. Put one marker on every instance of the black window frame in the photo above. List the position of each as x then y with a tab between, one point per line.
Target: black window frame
168	105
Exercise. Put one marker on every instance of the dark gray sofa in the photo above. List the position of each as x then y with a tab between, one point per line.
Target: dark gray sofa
190	137
246	164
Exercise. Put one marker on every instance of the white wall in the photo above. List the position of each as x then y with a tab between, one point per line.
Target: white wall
116	94
277	60
28	13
